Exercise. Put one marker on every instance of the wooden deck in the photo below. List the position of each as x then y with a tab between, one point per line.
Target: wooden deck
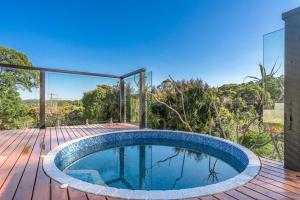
22	175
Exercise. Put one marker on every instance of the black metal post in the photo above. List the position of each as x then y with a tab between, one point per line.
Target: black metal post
42	100
122	101
142	112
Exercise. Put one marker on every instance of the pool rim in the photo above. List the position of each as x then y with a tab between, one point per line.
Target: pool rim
251	170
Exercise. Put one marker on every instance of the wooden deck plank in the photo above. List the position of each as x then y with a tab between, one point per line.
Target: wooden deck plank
264	187
10	145
252	193
3	133
286	176
60	136
12	180
238	195
6	138
42	183
65	134
76	195
91	130
85	130
261	189
209	198
279	179
281	170
57	192
94	131
271	161
277	167
22	175
78	130
279	184
264	161
71	134
25	188
76	134
224	196
9	163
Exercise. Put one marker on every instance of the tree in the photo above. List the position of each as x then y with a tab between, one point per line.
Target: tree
101	104
14	112
180	105
23	79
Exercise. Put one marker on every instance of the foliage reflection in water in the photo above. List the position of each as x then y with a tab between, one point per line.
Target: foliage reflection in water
152	167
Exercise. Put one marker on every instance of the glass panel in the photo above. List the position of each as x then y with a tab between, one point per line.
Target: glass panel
273	50
274	81
273	113
19	98
132	98
79	99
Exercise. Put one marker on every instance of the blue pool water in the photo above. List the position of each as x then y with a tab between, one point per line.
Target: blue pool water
155	165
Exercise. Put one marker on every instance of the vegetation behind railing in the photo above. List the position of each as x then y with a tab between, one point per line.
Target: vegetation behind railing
232	111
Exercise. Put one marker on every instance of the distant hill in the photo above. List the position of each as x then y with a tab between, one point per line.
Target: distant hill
31	101
35	101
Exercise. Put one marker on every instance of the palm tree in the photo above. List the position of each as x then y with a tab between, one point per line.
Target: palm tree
262	82
264	77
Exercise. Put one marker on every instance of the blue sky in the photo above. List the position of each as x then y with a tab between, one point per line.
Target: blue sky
219	41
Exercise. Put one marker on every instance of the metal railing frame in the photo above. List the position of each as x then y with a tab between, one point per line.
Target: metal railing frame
43	71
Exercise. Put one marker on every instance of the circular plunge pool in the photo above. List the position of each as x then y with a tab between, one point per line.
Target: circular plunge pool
151	164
